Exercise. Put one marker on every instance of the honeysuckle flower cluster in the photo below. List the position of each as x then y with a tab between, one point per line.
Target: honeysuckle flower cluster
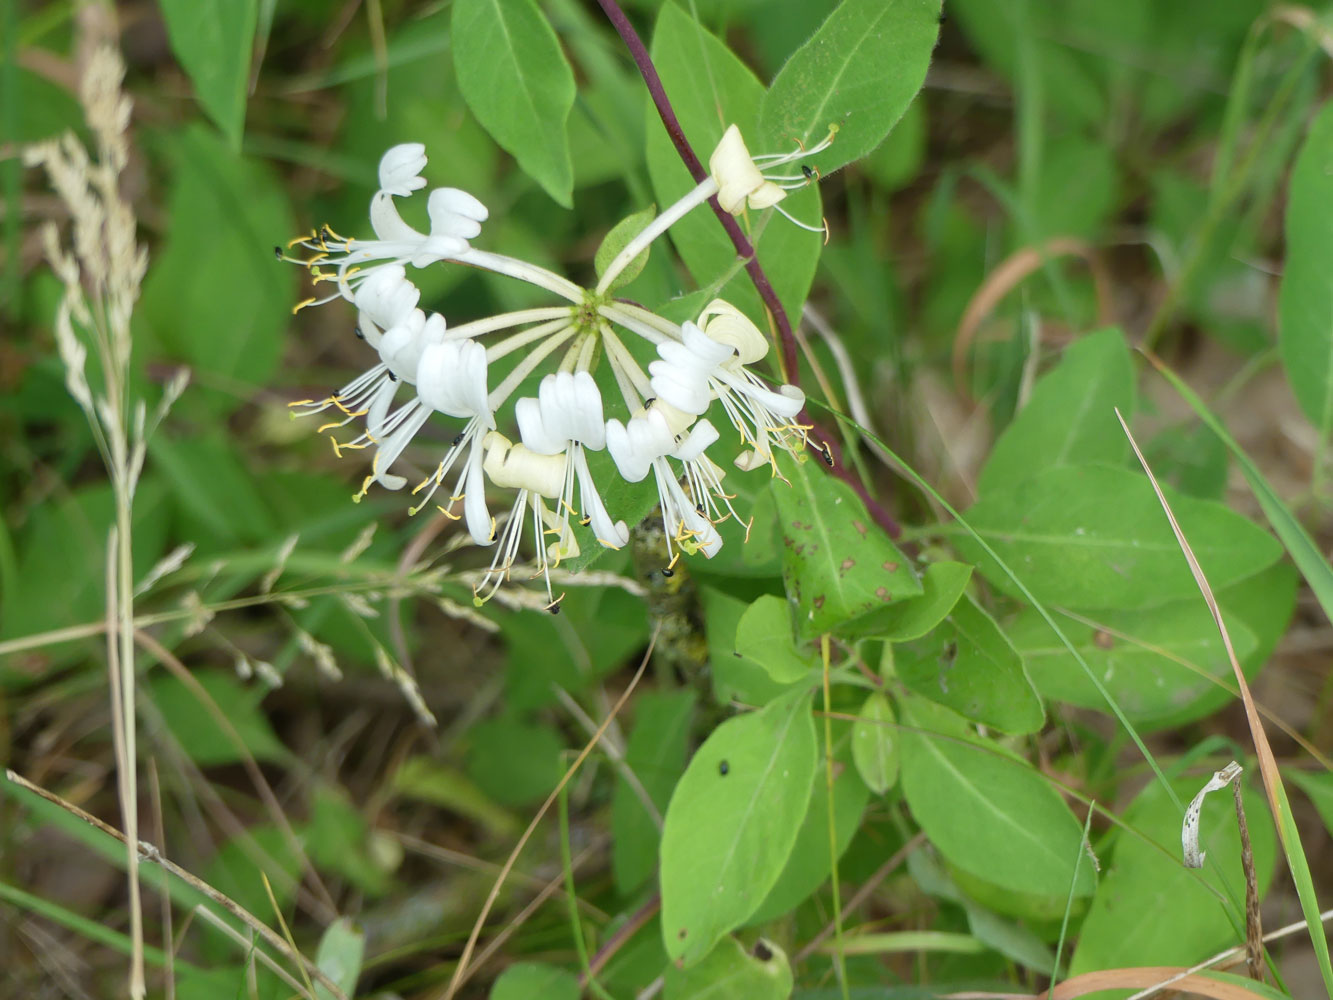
649	420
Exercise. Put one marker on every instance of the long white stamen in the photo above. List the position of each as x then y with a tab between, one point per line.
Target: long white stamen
505	321
523	271
526	367
511	344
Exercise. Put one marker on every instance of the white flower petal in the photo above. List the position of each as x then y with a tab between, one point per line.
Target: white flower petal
475	512
533	429
700	437
400	169
612	534
451	378
454	212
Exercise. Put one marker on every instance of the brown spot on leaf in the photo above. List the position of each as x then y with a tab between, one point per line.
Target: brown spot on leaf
682	933
861	528
847	564
891	567
1103	640
818	602
883	593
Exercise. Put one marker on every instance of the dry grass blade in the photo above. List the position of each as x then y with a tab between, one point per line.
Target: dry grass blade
462	971
1132	978
1287	833
148	852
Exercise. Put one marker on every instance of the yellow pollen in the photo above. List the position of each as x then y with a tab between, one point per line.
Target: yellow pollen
302	304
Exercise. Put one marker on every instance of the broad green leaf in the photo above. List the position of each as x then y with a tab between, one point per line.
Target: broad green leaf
942	584
989	813
517	81
764	634
1095	536
219	504
224	314
528	980
970	666
711	89
341	951
237	867
1156	663
858	72
809	864
837	564
514	762
735	677
655	755
1305	306
196	726
1070	417
875	743
1152	910
620	236
213	40
732	822
729	972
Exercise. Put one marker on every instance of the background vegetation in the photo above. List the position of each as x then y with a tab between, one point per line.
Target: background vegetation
1088	206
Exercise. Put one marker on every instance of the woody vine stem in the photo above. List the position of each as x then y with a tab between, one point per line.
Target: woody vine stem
828	444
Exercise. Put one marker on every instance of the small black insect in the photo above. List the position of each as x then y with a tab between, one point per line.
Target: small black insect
762	951
277	252
458	439
392	376
585	521
828	455
700	508
723	768
809	173
648	403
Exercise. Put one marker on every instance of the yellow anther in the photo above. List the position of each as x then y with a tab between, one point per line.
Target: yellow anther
301	402
448	513
302	304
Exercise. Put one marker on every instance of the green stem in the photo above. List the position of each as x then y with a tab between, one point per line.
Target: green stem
838	957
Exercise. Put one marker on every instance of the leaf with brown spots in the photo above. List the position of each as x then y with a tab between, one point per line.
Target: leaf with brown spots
835	560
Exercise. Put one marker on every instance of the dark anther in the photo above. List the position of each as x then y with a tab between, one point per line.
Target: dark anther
762	951
554	608
585	521
648	403
828	454
277	252
360	335
668	571
458	439
809	174
326	233
700	508
723	767
392	376
493	534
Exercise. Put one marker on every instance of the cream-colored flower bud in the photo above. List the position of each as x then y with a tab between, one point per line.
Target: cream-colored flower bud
738	180
728	325
516	466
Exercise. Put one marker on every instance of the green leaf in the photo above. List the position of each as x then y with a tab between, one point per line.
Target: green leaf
428	780
837	564
1305	306
526	980
711	89
338	839
1070	417
517	81
732	822
620	236
1149	908
990	813
213	40
942	584
1094	537
224	314
970	666
341	951
516	763
656	756
875	743
1319	789
735	677
764	634
859	71
196	727
809	864
237	866
1144	658
729	972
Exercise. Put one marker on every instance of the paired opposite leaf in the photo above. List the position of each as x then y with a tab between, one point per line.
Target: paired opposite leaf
764	635
837	564
859	71
1305	307
732	821
213	40
875	743
517	81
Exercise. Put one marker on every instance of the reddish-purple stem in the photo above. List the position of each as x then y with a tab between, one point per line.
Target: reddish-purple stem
829	445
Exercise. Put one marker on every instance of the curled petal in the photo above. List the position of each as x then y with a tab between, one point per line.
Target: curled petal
738	179
451	378
612	534
400	169
726	324
533	429
700	437
386	297
454	212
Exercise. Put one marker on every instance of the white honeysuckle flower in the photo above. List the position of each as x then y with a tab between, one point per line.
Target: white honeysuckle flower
566	419
384	299
682	372
726	324
740	184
